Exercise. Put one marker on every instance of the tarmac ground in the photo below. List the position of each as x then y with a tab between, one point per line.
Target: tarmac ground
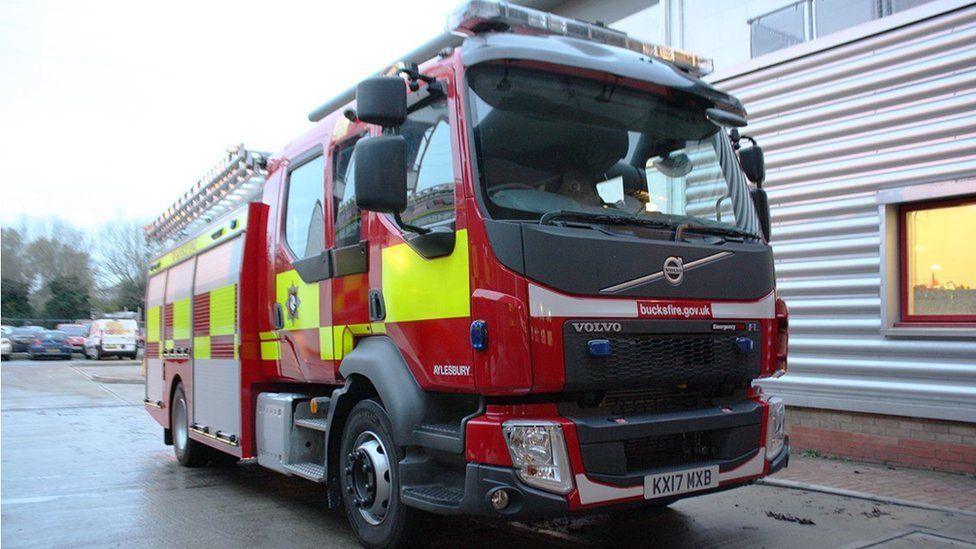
84	465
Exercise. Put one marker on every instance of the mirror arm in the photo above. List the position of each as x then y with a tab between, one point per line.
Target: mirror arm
408	227
414	75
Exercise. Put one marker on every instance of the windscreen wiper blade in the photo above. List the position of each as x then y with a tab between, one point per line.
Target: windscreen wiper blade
718	231
613	219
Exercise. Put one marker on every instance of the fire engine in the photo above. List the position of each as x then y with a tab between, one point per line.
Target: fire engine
521	273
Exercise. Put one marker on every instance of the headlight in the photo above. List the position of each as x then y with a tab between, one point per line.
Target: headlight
539	456
775	427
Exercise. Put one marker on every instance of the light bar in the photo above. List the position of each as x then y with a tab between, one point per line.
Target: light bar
478	16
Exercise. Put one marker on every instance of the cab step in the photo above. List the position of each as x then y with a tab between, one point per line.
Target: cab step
439	436
317	423
311	471
433	497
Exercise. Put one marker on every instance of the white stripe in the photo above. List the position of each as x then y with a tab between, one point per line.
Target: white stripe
764	308
597	492
545	303
750	468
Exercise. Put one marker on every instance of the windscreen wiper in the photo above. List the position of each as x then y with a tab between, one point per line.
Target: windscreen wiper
612	219
718	231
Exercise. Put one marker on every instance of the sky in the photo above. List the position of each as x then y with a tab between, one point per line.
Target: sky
113	109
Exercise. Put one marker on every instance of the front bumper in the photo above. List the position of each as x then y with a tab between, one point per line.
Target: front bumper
596	451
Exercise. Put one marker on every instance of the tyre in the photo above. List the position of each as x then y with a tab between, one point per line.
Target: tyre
189	452
370	480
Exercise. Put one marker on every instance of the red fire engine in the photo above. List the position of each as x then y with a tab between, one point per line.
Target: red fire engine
521	275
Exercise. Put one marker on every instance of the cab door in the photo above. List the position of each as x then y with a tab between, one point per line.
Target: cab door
302	306
349	251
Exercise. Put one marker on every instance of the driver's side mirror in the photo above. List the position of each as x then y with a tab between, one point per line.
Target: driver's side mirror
381	174
382	100
753	164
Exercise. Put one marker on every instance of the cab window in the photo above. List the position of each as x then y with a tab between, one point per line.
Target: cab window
348	218
304	218
430	180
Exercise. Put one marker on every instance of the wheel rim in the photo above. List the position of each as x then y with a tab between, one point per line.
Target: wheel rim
179	425
368	481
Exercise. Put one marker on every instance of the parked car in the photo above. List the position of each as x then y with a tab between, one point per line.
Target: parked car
21	337
76	335
50	344
112	337
6	348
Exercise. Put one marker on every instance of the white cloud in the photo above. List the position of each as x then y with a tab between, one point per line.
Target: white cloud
118	106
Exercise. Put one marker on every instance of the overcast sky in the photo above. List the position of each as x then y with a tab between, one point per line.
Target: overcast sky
114	108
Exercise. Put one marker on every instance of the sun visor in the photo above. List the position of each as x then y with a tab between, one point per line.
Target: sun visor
585	54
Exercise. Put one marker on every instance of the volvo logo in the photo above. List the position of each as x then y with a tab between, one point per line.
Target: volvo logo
674	270
590	327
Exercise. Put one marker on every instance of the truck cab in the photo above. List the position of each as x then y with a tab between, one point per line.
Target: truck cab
527	277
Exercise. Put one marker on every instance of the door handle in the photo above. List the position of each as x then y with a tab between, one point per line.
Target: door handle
377	309
278	316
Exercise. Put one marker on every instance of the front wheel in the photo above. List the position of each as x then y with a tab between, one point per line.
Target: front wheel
189	452
370	480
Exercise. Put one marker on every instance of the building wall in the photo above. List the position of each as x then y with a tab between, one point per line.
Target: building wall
923	443
843	127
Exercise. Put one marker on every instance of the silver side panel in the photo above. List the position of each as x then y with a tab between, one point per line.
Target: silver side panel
273	425
217	394
155	386
154	380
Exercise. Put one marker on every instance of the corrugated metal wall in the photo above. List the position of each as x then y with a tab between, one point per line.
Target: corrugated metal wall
892	110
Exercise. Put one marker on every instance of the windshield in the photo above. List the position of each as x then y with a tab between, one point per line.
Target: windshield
53	336
551	142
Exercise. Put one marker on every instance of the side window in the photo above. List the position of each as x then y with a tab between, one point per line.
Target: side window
304	217
348	218
430	180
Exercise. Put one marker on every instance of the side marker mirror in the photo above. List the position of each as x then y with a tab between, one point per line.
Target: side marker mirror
381	174
382	100
753	163
761	203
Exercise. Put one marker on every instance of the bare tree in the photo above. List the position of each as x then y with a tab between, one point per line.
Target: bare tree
123	255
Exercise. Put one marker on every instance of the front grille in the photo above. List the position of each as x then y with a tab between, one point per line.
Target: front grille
667	450
652	354
650	401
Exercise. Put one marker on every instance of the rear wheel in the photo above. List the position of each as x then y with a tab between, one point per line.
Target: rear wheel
370	480
189	452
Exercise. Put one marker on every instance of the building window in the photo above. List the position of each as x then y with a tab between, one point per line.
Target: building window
938	261
808	19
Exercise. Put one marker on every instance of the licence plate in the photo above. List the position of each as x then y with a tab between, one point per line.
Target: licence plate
53	351
109	346
680	482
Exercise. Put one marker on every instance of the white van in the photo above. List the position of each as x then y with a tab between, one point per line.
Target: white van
112	337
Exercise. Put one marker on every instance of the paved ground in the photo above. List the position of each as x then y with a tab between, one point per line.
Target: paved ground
83	465
926	487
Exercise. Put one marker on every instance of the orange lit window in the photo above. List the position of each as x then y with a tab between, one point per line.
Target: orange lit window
938	262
